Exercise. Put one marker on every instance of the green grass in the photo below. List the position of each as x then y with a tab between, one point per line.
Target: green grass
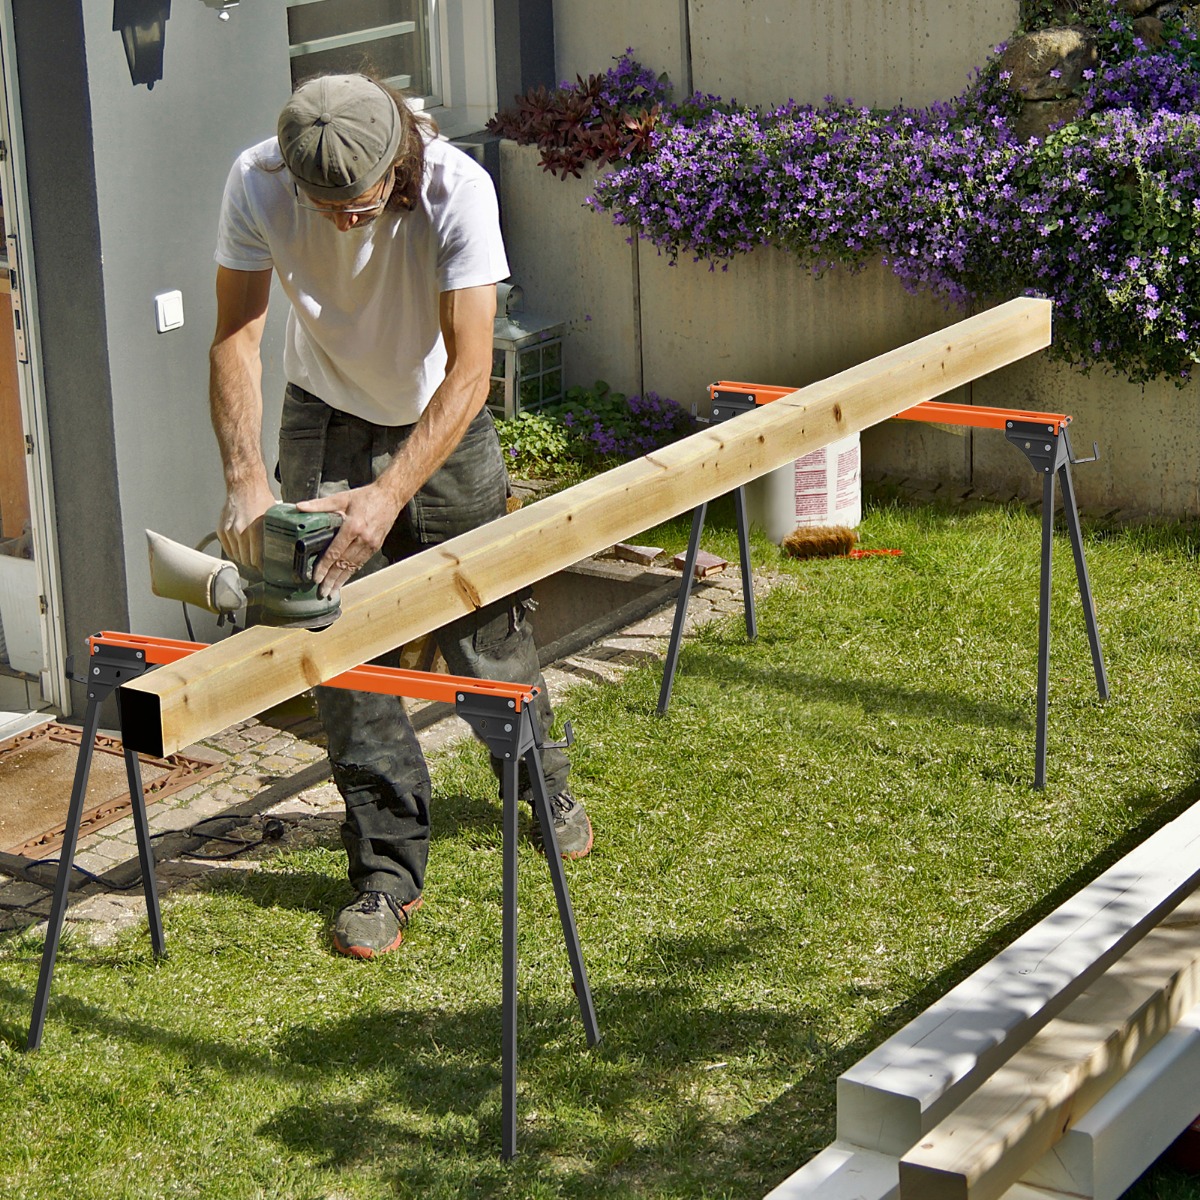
832	826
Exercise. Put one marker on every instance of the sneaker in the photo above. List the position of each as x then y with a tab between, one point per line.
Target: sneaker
572	829
372	924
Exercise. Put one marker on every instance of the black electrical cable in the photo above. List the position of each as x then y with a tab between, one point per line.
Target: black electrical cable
273	829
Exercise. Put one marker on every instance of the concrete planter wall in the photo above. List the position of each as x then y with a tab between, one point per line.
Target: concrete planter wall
642	324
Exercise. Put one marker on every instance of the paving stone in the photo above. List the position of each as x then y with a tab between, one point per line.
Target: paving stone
278	764
107	907
100	859
257	734
209	806
20	894
179	870
165	819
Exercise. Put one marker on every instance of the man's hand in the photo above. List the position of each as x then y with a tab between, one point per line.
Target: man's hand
368	513
241	528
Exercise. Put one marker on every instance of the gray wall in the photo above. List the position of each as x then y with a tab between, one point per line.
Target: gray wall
51	69
125	183
161	158
767	51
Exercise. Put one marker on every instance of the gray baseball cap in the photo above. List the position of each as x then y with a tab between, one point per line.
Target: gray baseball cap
339	134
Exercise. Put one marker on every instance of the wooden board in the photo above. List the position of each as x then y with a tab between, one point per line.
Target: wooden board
906	1085
176	705
843	1172
1102	1155
1001	1131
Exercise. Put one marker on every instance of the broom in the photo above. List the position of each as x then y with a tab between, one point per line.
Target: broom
828	541
820	541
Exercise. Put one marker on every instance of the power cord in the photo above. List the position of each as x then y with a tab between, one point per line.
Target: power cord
273	830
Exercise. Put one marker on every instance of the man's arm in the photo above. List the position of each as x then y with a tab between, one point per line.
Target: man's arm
235	402
369	512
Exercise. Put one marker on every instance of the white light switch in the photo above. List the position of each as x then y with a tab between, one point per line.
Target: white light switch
168	311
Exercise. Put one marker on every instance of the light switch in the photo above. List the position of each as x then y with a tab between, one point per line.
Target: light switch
168	311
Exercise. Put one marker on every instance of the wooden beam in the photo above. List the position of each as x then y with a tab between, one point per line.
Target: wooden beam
1003	1129
1101	1156
175	705
908	1083
842	1172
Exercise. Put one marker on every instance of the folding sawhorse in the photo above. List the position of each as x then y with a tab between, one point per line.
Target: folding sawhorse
501	714
1041	437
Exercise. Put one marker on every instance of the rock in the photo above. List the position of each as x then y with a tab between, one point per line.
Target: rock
1049	64
1135	8
1040	117
1151	30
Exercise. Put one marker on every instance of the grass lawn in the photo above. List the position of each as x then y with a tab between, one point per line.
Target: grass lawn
832	826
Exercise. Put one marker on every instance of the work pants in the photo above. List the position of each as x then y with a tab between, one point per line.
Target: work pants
377	762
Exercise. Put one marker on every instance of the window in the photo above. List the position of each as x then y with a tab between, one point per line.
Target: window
441	52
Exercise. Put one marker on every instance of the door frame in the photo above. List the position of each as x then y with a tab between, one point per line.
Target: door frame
53	676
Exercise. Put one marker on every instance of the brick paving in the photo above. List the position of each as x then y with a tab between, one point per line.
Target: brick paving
275	771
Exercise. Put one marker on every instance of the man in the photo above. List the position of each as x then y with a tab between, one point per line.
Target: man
386	242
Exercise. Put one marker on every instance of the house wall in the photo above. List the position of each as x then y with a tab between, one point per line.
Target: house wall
51	69
161	158
124	184
767	51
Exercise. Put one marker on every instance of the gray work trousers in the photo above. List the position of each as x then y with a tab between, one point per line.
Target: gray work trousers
377	762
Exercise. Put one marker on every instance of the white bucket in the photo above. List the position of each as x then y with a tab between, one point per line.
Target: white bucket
19	613
823	487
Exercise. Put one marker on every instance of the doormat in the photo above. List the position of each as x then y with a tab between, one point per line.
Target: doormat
37	772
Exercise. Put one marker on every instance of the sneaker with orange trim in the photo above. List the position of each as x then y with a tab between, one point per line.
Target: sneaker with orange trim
572	829
372	924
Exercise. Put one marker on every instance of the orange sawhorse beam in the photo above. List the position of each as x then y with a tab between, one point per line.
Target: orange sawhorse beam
501	715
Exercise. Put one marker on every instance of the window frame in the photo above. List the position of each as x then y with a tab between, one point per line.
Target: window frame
462	56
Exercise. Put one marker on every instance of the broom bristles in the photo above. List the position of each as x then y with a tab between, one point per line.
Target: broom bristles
820	541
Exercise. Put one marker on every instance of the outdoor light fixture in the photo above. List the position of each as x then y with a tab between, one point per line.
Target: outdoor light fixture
142	25
526	357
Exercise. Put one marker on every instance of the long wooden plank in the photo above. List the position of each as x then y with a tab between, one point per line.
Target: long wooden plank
1102	1155
842	1172
907	1084
175	705
1003	1129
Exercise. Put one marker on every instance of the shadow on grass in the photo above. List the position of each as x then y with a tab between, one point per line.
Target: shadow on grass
726	670
412	1094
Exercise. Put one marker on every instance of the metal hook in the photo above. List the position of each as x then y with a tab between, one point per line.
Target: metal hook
567	742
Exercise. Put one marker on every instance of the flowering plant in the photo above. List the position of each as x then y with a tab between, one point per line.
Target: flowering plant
1102	215
590	428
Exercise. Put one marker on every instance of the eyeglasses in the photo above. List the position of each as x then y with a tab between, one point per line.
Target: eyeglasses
354	208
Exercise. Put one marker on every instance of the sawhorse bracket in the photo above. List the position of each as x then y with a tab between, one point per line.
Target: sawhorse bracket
501	714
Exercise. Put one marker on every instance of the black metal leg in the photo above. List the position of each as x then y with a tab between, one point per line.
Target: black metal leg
1043	685
1081	573
66	863
583	992
743	530
685	591
133	772
508	1017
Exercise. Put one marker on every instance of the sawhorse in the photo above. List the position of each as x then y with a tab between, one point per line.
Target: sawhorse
502	715
1041	437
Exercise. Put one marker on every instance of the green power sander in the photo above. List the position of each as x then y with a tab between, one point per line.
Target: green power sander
293	542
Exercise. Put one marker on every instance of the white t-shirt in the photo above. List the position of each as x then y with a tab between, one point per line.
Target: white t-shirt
363	331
